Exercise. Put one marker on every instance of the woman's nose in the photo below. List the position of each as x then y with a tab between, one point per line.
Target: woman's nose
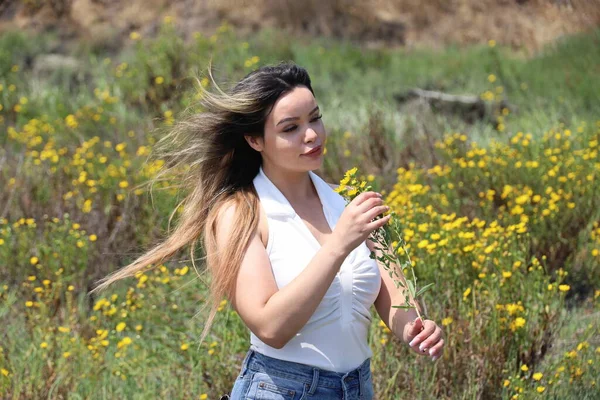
311	134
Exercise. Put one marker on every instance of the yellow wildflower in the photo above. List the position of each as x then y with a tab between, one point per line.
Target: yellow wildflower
466	292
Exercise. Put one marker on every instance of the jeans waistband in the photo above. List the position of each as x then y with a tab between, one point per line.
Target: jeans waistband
313	376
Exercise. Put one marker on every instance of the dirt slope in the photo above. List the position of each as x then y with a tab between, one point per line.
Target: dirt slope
526	24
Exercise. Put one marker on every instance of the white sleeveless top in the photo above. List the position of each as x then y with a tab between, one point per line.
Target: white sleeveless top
335	337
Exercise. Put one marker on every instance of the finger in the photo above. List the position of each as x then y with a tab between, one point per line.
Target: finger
429	329
436	349
365	196
414	328
368	204
378	223
431	340
375	211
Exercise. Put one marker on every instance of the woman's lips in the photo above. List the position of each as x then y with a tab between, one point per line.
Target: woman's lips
313	152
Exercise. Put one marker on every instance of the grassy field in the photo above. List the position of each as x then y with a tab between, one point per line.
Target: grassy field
499	209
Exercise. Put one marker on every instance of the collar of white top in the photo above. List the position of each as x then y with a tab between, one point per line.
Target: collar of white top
276	204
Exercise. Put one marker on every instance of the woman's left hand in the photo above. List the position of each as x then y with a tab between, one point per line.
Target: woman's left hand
425	338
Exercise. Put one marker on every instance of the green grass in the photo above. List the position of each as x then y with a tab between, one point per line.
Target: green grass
78	134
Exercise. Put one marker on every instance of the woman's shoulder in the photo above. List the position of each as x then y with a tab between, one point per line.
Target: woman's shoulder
225	219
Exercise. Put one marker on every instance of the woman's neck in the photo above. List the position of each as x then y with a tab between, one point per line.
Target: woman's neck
296	186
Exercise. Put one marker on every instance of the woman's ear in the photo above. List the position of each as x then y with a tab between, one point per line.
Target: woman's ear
255	142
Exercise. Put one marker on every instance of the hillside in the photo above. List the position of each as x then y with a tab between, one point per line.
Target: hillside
522	24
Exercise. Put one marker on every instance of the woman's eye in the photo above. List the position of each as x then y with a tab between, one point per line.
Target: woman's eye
293	127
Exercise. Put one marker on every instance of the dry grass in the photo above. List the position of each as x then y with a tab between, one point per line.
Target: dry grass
526	24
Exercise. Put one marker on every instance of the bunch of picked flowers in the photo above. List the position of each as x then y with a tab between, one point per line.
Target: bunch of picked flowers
389	241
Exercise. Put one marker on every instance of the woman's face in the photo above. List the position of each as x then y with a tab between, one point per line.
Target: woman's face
292	129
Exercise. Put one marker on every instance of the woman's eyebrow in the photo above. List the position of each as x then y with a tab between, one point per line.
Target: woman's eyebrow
293	118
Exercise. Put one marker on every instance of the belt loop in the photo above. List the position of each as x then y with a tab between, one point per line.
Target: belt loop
360	382
315	381
249	354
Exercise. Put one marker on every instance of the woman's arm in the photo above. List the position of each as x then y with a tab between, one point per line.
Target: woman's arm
396	319
276	315
422	336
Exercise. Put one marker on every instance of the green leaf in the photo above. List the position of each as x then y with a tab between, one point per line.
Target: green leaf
403	306
387	256
411	287
424	289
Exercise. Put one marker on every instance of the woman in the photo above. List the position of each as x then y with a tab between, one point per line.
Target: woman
281	244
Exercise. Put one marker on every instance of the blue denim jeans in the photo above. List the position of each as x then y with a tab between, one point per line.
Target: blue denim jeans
263	377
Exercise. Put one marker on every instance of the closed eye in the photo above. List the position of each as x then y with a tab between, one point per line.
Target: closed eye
293	127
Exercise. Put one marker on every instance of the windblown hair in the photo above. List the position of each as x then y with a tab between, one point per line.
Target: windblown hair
216	166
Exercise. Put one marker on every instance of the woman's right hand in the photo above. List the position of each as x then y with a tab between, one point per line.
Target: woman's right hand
356	222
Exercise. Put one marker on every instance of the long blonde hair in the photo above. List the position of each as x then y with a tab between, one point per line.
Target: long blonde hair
216	167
